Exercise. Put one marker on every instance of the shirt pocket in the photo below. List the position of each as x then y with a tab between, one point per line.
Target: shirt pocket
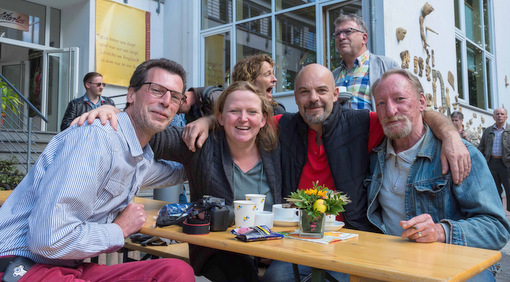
431	197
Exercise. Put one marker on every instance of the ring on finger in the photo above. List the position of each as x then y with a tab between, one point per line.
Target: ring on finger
419	235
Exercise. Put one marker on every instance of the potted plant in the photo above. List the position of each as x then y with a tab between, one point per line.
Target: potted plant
10	100
313	203
10	177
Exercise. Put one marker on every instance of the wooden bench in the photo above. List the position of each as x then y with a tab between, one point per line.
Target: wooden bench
178	251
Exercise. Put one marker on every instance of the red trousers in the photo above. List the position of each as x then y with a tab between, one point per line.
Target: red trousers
148	270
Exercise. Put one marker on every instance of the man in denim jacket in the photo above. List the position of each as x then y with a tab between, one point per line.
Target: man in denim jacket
407	194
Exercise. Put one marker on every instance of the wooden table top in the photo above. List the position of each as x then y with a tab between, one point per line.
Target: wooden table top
4	195
371	255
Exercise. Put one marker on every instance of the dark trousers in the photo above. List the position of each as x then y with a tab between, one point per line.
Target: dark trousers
501	177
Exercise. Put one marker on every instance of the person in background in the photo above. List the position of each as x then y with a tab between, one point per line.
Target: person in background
200	102
407	193
258	69
359	68
77	201
92	99
495	146
468	134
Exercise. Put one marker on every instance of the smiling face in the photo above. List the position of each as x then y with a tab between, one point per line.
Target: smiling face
242	117
149	114
399	107
353	45
266	80
315	94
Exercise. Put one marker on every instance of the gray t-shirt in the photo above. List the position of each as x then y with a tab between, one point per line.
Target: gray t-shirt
252	182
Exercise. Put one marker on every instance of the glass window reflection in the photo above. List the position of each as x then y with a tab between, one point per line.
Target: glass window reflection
295	45
248	8
254	37
217	59
216	12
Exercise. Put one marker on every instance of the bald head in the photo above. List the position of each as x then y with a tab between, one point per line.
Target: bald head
315	71
315	94
500	116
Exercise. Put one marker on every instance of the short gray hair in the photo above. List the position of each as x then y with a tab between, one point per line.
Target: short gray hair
411	78
352	17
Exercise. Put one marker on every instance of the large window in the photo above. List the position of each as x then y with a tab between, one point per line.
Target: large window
475	62
293	32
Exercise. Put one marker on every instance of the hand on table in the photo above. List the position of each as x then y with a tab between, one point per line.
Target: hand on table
422	229
131	219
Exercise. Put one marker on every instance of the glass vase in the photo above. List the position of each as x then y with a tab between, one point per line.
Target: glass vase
309	226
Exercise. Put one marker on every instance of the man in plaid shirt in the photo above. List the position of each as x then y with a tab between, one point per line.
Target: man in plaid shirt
359	68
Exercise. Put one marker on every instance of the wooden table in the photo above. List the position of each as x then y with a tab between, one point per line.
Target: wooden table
371	255
4	195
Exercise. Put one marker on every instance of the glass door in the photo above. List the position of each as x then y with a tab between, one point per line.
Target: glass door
60	84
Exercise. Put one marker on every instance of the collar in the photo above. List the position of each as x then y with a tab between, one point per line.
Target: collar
86	99
127	129
359	61
428	147
496	128
407	155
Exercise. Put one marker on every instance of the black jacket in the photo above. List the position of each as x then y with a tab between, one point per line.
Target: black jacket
345	140
77	107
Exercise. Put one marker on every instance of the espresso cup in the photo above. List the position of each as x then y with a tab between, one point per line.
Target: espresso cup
264	218
285	214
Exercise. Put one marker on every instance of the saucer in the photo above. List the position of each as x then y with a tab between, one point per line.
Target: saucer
285	223
334	226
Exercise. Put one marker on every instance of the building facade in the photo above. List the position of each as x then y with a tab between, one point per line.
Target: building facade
457	47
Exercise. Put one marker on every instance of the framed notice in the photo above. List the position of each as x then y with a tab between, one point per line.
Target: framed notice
122	40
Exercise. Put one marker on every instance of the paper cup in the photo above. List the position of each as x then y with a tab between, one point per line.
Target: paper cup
258	199
244	212
264	218
286	214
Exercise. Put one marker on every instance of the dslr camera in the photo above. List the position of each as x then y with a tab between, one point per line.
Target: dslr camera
211	210
206	214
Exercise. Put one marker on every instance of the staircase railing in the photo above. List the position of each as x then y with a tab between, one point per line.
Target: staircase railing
17	129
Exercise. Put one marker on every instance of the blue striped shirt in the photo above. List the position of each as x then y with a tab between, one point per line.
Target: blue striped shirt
62	211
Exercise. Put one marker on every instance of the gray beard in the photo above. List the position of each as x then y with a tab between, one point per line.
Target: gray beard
315	119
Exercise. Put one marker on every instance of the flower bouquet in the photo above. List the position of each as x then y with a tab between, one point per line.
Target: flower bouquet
313	203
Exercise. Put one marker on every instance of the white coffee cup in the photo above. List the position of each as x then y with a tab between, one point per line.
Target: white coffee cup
259	199
285	214
264	218
330	218
244	212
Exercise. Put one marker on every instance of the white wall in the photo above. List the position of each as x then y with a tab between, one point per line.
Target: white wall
406	14
502	50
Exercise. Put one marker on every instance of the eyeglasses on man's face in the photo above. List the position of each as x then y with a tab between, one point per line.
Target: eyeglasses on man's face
158	91
98	84
347	32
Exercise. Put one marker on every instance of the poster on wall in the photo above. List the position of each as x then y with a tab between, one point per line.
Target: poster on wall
122	40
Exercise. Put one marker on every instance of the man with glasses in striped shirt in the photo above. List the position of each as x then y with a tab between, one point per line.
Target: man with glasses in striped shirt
94	85
77	201
359	68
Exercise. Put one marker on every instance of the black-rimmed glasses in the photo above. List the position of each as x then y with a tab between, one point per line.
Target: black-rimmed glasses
97	84
158	91
347	32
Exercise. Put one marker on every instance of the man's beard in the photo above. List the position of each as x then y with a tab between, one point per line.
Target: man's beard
394	133
315	119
